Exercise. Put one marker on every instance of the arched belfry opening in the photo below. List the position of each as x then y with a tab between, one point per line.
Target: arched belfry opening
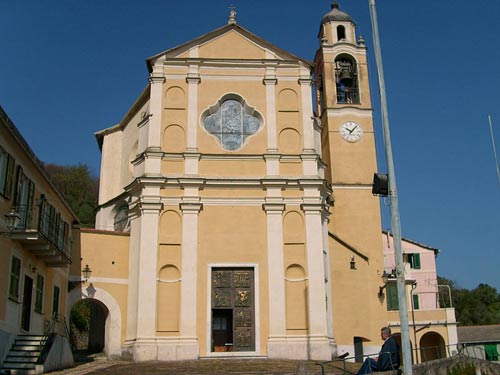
346	80
340	33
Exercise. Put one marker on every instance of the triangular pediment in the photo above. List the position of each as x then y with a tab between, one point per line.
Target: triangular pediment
228	42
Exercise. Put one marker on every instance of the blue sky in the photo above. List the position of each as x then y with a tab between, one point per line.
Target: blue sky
71	67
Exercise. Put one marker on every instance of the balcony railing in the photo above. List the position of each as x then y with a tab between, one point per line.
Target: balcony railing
44	234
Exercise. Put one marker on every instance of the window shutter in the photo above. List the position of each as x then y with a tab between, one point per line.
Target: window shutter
416	303
392	297
416	261
10	176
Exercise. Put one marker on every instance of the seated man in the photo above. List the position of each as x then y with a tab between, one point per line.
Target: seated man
388	358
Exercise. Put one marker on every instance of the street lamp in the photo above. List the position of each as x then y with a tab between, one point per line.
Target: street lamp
86	272
11	219
393	200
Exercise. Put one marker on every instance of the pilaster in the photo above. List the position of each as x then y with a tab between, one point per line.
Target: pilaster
317	310
277	313
272	139
307	115
147	267
193	79
190	213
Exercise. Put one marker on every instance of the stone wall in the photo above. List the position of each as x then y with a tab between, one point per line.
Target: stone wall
446	366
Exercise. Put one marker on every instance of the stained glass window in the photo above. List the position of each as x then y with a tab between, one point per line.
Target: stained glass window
231	124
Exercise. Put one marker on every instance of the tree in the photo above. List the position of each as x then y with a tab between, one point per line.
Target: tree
79	187
474	307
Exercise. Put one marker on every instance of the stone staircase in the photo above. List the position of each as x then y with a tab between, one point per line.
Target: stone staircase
23	356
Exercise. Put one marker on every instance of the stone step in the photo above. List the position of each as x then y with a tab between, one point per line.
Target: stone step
26	348
20	371
25	353
29	338
18	366
21	359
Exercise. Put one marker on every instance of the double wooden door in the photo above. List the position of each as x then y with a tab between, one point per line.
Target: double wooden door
233	309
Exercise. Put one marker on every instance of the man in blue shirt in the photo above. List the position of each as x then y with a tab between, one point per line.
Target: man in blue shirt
388	358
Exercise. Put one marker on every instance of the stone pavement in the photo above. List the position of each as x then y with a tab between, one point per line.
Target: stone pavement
207	367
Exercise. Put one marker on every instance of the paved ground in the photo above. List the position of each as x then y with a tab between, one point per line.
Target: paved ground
207	367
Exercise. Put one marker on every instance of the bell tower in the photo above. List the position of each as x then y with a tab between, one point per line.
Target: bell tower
348	150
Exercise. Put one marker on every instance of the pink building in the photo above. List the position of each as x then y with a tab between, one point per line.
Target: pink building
420	267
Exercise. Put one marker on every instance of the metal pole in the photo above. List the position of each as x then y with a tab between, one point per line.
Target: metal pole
413	287
494	147
393	200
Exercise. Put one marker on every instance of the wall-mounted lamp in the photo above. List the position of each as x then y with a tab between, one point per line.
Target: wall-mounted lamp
11	219
385	277
86	272
352	263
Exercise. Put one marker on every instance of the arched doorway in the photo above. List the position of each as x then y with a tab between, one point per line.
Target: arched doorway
432	347
397	338
88	325
106	324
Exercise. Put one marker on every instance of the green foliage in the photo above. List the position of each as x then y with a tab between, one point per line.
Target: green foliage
479	306
463	369
80	316
78	187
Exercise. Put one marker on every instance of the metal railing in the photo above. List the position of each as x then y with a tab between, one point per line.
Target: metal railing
55	326
47	223
344	360
426	353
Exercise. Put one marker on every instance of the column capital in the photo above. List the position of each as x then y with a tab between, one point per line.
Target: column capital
305	81
193	79
193	208
270	81
311	208
153	79
273	208
149	208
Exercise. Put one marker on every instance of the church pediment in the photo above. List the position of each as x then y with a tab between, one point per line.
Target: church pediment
228	42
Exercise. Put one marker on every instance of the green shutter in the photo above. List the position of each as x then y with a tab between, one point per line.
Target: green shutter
491	352
15	275
10	176
39	293
416	303
416	261
392	297
55	302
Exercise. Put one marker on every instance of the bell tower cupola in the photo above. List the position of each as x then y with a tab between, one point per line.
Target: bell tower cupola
337	27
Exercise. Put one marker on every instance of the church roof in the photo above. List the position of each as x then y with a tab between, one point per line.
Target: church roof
175	51
336	15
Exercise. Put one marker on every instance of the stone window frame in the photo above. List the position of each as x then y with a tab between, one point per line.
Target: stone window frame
246	110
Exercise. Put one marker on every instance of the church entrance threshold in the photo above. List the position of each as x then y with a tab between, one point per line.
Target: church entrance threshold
233	310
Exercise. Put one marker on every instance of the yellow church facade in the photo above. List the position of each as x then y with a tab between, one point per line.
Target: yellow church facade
236	216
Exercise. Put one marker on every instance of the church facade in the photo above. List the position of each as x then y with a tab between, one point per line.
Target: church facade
236	216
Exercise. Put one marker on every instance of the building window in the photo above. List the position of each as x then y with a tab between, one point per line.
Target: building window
231	122
416	302
25	190
392	297
346	80
55	302
15	277
6	173
413	259
39	293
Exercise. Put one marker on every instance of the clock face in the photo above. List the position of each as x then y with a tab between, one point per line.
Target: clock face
351	131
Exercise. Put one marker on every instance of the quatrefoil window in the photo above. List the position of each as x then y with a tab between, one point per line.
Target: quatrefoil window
231	121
